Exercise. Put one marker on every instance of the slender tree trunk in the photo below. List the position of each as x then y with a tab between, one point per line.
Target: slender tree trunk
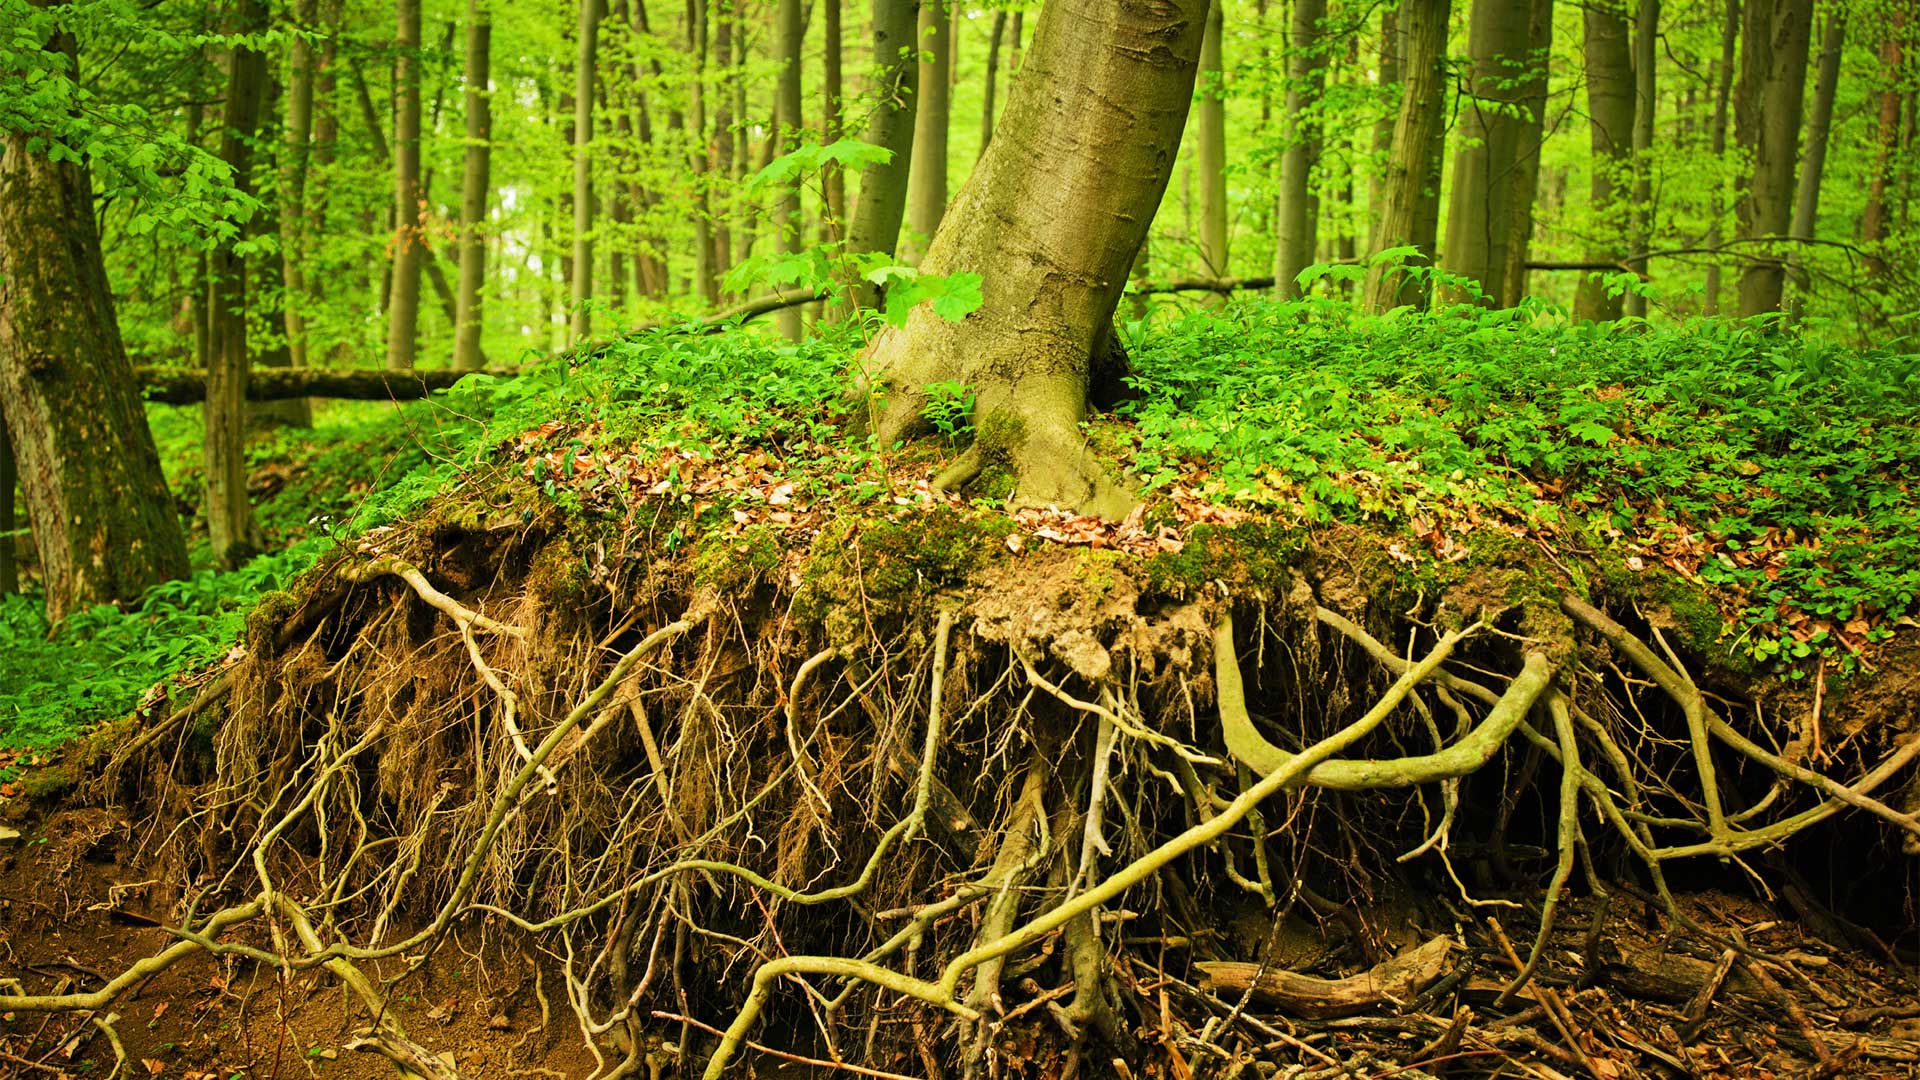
1813	157
883	186
230	524
1387	80
1210	148
586	50
1493	122
1053	217
1873	222
1773	78
103	519
1407	190
1611	102
721	144
324	145
9	519
409	242
1646	31
295	155
1717	144
833	182
993	78
791	29
927	188
475	185
1299	208
1526	166
706	271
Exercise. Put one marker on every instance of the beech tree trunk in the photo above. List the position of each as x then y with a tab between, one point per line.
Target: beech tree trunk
720	148
1299	209
791	30
1532	78
1773	80
993	79
9	520
1813	157
1492	112
1409	187
294	158
833	182
1646	32
1210	148
927	188
1610	105
707	268
1873	222
883	187
103	519
475	185
1052	217
230	525
1717	142
409	243
586	49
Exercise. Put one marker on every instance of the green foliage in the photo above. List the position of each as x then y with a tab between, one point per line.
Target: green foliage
949	405
1778	468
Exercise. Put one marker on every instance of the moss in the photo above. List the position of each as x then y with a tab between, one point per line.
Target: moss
558	573
995	483
881	568
1000	435
735	563
270	612
1252	555
42	785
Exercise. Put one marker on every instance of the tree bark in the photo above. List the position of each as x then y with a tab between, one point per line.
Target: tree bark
1480	215
1611	100
1646	30
475	185
927	187
1873	222
791	29
9	520
103	519
1409	194
706	270
1299	208
1526	166
586	49
1773	78
721	143
883	187
1717	143
230	525
295	155
833	182
1813	157
1052	217
993	80
1210	147
409	250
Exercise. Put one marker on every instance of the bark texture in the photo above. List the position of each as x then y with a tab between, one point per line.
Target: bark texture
1717	142
1611	101
1813	159
1492	110
409	243
103	519
1408	203
927	190
587	49
475	184
791	31
1210	147
883	187
1052	217
1299	209
1646	33
295	154
1767	106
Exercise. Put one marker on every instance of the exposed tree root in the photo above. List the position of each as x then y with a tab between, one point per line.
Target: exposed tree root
959	798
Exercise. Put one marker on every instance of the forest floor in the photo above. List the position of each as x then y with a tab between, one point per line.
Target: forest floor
573	700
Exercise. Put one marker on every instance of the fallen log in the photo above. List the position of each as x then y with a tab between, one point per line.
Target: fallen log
183	386
1394	981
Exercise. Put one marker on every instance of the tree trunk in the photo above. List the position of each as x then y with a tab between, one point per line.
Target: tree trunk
927	188
1299	209
1646	29
475	184
1387	80
833	182
103	519
1480	215
1052	217
1526	165
791	30
1610	105
1717	142
1210	148
9	520
883	187
1407	190
993	79
409	243
295	155
230	525
1813	158
1873	222
325	141
580	293
1773	79
706	270
721	149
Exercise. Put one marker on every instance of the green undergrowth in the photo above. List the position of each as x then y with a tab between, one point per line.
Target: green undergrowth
1775	469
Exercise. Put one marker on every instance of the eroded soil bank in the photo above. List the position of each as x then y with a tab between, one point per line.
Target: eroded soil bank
544	792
